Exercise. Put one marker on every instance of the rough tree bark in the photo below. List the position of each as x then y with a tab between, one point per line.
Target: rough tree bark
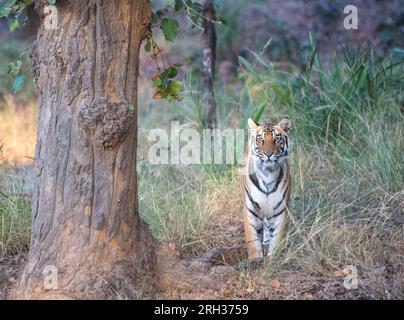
85	220
209	59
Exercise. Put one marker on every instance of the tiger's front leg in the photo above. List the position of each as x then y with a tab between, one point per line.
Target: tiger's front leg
266	239
275	227
253	228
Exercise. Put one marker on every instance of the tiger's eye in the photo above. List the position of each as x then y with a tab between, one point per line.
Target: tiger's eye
259	140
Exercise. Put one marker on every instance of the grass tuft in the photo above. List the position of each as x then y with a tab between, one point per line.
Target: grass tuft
15	217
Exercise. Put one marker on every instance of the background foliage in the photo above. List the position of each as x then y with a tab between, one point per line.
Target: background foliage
343	93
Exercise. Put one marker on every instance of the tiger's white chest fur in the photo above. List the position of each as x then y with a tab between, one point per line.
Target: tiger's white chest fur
267	188
268	203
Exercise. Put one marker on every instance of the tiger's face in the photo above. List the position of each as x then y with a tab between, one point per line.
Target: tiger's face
270	142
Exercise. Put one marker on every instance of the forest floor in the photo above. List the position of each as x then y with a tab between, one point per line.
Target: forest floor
202	280
9	270
222	273
226	275
226	283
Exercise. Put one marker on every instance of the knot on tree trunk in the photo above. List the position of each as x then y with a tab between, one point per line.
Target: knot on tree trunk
107	122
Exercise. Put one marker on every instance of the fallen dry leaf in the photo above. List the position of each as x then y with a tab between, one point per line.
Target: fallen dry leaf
37	289
157	95
275	284
340	273
155	75
400	245
307	296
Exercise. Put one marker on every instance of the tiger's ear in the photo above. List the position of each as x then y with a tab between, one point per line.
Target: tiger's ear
285	124
251	123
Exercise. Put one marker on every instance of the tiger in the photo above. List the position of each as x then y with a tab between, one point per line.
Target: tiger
266	186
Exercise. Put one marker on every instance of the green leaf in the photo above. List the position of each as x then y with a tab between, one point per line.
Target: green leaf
147	46
179	4
260	110
247	65
14	25
171	72
169	27
256	115
158	82
197	7
175	86
174	89
154	18
131	108
18	82
188	61
14	68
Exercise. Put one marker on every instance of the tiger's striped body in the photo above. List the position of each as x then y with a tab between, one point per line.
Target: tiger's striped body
266	186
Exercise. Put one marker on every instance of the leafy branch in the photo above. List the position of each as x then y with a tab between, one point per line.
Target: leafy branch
194	12
12	10
14	68
163	77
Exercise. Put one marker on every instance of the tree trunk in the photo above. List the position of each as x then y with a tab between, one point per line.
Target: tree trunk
209	57
85	219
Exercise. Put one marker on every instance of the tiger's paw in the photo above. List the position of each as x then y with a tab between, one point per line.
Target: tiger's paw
249	264
255	263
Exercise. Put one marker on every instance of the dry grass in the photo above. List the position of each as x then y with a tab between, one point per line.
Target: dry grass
15	223
336	219
190	208
333	222
17	144
17	132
